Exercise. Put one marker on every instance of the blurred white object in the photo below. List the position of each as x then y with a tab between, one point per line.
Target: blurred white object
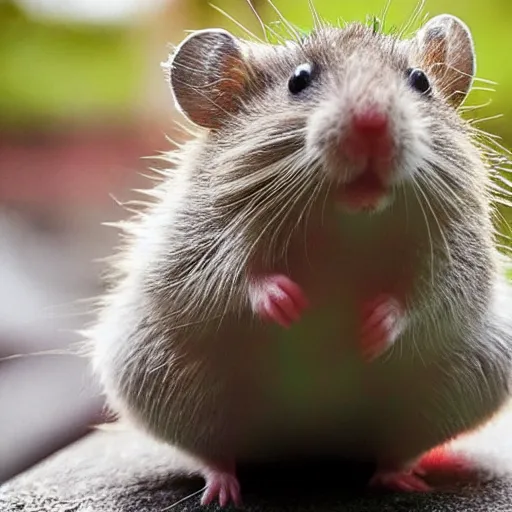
92	11
47	394
45	276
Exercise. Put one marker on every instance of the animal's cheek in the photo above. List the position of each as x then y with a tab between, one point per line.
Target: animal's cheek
413	137
323	128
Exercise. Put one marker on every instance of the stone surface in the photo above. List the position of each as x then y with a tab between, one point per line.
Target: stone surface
117	470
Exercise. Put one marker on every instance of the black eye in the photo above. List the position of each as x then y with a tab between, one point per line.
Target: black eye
300	79
418	80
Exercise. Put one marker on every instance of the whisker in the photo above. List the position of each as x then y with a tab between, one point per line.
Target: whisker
484	89
479	133
427	225
259	19
291	29
307	214
485	119
236	22
442	187
413	18
49	352
472	108
385	11
436	219
299	192
304	214
469	75
406	203
317	21
285	209
324	204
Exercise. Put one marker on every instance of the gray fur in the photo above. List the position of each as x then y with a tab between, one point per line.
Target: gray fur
176	345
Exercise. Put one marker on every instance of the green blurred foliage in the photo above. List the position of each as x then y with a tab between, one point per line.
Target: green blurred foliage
55	70
52	71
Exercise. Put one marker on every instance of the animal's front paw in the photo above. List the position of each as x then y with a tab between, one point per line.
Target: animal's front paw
381	324
221	485
400	481
277	298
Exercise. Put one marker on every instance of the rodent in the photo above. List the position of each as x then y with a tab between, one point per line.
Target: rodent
318	271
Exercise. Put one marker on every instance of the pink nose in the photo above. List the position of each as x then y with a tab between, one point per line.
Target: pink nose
370	123
368	139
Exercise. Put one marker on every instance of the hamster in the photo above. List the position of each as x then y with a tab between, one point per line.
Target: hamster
318	271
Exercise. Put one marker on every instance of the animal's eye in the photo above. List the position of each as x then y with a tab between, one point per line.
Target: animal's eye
300	79
418	80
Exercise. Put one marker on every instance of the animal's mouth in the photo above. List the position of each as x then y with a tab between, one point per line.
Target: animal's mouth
366	191
367	148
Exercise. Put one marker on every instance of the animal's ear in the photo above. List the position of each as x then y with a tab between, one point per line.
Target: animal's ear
445	51
207	75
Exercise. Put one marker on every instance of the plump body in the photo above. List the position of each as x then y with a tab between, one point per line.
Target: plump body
182	353
258	385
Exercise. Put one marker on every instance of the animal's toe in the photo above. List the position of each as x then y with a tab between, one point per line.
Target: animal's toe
399	482
223	487
278	299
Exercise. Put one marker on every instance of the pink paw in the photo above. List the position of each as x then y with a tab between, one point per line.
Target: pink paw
277	298
382	321
400	481
223	486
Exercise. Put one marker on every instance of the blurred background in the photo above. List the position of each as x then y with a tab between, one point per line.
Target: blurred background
82	100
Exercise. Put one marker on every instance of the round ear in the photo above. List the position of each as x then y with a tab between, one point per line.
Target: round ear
444	49
207	75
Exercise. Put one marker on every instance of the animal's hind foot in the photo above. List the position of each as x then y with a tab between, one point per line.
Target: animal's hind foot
221	485
400	481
